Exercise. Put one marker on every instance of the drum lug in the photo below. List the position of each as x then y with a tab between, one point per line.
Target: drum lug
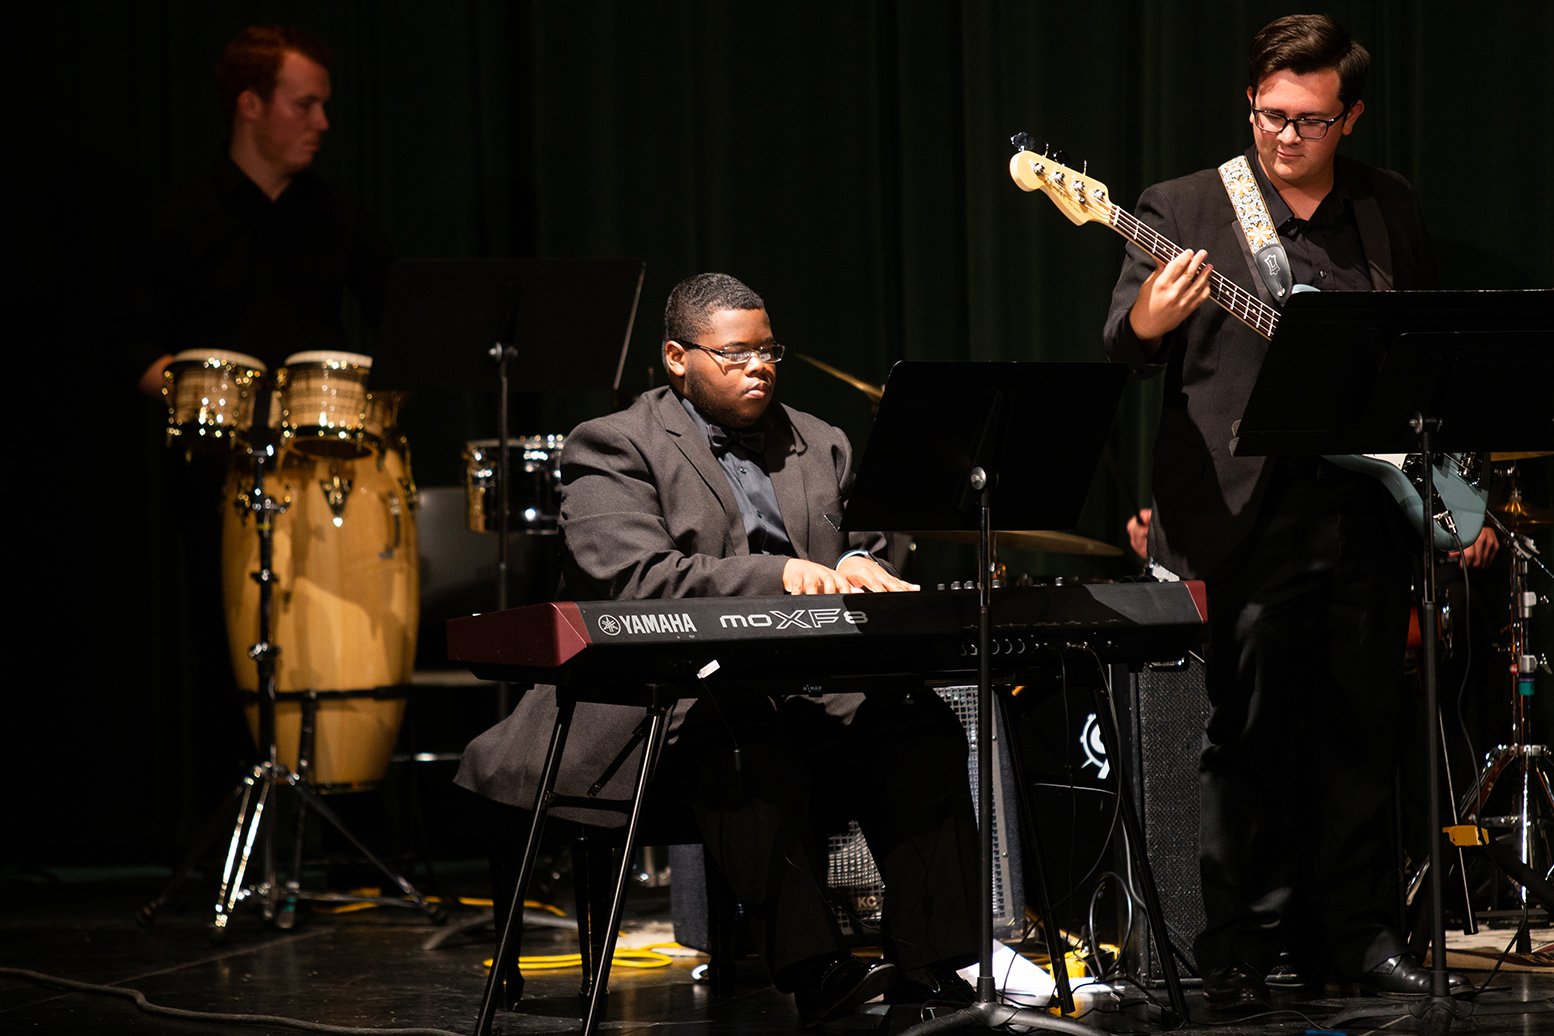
393	506
336	489
412	494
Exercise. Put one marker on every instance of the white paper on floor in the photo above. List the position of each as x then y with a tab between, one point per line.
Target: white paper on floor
1021	982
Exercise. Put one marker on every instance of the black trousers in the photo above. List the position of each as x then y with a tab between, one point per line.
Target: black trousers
894	761
1297	774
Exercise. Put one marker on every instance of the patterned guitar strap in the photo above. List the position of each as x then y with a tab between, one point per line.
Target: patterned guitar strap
1268	254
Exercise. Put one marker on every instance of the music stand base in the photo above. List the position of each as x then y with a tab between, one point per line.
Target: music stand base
990	1015
1434	1014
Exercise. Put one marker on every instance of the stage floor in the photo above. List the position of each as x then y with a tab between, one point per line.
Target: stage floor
372	969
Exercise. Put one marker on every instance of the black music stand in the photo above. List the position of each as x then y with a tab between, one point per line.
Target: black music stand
1406	372
443	317
948	440
452	321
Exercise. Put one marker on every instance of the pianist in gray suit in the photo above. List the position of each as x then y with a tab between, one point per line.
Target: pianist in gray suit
707	489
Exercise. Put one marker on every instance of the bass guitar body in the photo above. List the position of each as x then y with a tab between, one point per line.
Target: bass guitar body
1460	501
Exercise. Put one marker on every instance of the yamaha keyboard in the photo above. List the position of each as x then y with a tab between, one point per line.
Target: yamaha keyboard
814	643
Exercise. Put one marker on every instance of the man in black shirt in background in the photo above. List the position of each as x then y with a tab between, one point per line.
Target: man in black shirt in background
255	256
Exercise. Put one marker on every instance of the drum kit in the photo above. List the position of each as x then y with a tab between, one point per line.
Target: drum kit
535	483
320	581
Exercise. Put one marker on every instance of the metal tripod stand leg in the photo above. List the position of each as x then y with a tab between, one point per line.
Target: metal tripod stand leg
310	800
207	837
244	834
1532	787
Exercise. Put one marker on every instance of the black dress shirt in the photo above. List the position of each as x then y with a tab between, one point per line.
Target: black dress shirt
1325	250
752	486
223	267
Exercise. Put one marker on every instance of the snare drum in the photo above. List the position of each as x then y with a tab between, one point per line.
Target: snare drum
345	608
210	397
323	403
534	489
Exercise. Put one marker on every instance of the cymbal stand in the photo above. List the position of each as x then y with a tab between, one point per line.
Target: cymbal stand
1530	760
252	795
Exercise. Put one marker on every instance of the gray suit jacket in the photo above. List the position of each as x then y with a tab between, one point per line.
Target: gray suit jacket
647	512
1205	500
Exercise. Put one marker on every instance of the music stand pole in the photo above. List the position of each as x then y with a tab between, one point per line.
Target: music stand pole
987	1011
502	351
1426	427
987	991
966	465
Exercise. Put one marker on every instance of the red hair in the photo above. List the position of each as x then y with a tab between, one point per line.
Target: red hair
253	59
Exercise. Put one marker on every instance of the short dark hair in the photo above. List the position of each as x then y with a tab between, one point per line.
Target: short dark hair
253	59
694	299
1306	43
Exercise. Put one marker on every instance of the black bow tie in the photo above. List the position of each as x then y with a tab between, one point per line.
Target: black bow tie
722	439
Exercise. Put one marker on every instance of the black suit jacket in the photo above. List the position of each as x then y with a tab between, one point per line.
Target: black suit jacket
1205	500
647	512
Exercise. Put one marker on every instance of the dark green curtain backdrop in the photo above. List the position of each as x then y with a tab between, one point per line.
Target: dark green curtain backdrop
847	159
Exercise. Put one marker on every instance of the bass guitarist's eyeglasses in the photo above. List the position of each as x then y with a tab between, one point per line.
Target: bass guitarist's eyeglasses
1308	128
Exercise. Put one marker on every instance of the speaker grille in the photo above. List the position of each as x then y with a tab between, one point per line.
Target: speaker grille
857	891
1168	715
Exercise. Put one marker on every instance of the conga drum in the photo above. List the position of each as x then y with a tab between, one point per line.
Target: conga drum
345	604
210	397
323	403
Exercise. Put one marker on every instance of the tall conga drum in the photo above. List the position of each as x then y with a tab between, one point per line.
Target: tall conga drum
345	603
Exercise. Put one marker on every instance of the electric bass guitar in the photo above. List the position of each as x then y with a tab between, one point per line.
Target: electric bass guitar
1461	495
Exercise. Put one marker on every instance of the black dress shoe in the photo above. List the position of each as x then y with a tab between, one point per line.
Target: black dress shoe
1234	987
1404	976
1290	971
835	988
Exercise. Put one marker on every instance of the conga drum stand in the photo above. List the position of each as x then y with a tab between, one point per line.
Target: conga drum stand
253	828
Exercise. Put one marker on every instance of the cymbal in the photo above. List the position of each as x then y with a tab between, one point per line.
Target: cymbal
874	392
1519	515
1496	458
1051	542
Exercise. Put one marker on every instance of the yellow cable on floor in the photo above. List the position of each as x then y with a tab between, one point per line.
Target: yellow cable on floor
346	908
642	957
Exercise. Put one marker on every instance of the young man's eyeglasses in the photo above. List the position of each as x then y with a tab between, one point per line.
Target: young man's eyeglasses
739	357
1309	129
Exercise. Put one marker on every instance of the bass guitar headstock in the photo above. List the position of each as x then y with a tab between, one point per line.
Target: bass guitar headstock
1078	196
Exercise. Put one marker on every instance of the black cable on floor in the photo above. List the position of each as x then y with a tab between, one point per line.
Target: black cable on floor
213	1016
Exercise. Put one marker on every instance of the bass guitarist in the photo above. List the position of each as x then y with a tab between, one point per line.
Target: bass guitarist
1307	564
